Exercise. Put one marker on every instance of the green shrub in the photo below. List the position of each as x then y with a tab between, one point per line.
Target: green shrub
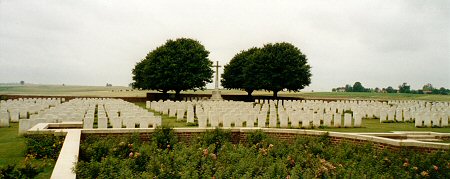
217	137
44	146
191	124
214	155
164	137
256	137
23	170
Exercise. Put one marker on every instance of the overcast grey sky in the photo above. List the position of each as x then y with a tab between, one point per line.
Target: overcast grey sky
87	42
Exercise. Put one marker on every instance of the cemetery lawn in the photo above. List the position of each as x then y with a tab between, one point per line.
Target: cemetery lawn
374	125
12	151
12	147
166	120
368	125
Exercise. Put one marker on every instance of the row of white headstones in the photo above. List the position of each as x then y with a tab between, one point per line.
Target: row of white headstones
303	113
111	113
13	110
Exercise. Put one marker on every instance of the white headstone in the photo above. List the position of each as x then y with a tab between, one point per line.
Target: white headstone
327	119
444	120
316	120
24	125
202	120
272	120
102	123
4	119
426	119
419	120
262	120
157	121
337	120
88	123
347	120
283	119
358	120
180	114
226	120
116	122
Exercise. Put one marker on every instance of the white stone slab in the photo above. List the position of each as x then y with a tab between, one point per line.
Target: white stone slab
102	123
347	120
88	123
273	120
262	120
337	120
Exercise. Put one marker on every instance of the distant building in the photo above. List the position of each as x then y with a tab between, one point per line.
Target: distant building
340	89
22	82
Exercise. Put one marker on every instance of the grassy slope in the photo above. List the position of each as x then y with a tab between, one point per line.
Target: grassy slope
12	147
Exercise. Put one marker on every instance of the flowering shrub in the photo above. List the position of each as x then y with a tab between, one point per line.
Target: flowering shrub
164	137
212	155
44	146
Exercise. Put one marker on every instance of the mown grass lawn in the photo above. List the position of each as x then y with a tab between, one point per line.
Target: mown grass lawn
13	149
374	125
368	125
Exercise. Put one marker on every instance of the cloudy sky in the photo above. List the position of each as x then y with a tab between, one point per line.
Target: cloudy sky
87	42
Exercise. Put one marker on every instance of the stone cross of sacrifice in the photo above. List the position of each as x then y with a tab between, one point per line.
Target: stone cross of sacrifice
217	74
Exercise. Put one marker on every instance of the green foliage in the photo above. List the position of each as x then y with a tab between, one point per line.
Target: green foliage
25	169
389	89
274	67
191	124
348	88
305	157
358	87
235	74
279	66
256	137
404	88
216	137
164	137
178	65
44	146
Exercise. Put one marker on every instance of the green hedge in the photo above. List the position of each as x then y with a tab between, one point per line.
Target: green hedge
213	155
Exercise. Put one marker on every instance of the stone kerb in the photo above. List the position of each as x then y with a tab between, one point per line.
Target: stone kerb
68	156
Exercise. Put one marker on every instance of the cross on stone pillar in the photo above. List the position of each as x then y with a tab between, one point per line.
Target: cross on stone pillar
217	74
216	92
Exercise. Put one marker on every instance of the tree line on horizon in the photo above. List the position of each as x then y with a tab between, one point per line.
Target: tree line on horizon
403	88
183	64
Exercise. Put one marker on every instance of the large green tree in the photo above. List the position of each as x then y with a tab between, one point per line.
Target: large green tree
404	88
178	65
234	74
279	66
358	87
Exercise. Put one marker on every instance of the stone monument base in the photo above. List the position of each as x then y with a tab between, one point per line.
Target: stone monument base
216	96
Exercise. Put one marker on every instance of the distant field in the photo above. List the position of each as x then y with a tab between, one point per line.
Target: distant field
102	91
53	90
